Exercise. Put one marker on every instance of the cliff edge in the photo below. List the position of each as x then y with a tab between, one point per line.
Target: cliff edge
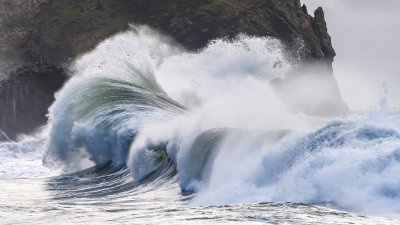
54	31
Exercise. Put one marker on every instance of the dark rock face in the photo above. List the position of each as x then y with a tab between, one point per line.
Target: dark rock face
26	96
57	30
319	27
15	24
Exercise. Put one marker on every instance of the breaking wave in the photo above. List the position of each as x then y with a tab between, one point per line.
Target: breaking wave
140	108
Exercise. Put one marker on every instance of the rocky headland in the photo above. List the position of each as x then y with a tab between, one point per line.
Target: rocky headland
38	37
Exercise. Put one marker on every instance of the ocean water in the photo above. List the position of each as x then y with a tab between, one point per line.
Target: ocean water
147	133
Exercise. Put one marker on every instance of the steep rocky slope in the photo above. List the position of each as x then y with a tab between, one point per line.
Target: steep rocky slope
54	31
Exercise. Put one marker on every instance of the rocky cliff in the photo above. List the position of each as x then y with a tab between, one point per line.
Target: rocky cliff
50	33
54	31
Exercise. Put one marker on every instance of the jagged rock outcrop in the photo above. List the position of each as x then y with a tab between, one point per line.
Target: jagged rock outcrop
320	29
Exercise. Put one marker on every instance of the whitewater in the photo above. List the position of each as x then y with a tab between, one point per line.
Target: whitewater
145	132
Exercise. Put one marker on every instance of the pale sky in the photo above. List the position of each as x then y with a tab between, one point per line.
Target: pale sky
366	37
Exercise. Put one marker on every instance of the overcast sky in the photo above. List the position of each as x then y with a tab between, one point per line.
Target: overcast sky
366	37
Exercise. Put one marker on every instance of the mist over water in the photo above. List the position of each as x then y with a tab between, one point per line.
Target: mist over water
366	43
234	123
